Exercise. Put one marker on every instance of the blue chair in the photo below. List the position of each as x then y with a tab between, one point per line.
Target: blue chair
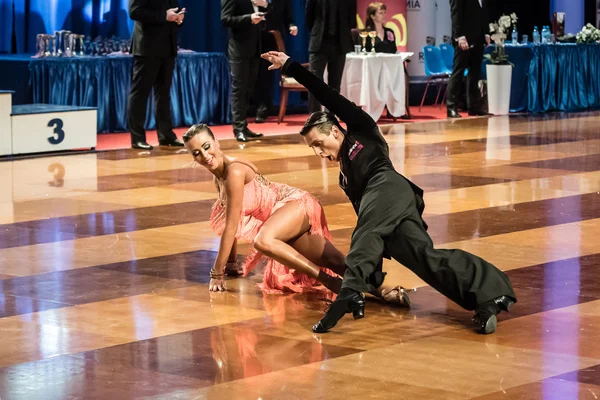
435	69
447	55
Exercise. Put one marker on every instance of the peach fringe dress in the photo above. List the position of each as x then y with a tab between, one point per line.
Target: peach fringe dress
261	199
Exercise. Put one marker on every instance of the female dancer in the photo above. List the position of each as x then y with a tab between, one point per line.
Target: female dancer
285	224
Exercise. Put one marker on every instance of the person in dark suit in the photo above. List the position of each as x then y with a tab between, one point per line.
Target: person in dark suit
330	23
279	18
154	48
385	41
470	31
245	20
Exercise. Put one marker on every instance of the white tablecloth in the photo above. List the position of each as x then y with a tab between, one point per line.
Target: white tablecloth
376	81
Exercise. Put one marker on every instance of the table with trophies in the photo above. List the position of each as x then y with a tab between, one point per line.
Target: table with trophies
71	69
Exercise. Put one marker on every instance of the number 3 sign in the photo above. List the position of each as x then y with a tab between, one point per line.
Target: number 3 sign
59	134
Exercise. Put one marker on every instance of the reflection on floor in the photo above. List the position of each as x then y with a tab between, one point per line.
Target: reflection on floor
104	262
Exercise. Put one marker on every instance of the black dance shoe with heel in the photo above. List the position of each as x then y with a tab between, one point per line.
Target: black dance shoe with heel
348	301
485	317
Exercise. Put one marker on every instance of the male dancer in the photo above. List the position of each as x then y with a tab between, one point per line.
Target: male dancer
389	209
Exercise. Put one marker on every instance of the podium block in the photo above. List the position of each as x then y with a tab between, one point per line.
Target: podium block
5	122
39	128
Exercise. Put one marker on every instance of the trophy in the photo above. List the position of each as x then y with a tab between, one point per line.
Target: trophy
40	45
50	45
77	41
363	36
59	39
373	35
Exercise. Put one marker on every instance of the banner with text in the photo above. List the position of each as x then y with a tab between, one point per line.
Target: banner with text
420	17
395	19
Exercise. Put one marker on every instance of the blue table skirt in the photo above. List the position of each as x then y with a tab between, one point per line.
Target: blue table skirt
200	90
559	77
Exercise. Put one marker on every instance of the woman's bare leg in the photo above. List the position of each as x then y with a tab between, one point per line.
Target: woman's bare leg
286	225
322	252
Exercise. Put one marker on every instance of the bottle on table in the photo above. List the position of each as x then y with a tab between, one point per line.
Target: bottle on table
536	35
515	36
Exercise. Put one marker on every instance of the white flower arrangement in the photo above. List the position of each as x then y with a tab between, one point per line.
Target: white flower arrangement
588	34
498	31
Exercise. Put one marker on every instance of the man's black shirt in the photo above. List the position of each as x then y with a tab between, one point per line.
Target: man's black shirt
364	152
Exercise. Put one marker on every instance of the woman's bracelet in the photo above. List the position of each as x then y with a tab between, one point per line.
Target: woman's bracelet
215	275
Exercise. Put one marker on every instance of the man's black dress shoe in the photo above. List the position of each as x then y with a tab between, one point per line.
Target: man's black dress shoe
347	301
485	317
261	117
452	113
249	134
173	143
240	137
141	146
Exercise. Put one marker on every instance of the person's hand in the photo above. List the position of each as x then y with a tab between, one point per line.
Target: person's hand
260	3
181	14
172	14
293	30
217	285
257	18
217	281
463	44
276	58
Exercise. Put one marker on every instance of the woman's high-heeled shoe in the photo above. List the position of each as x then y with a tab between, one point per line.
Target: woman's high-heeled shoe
397	296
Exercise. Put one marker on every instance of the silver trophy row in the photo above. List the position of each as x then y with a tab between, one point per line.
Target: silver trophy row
61	44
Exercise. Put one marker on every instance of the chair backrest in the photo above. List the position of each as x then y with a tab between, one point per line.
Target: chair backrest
278	40
433	61
447	55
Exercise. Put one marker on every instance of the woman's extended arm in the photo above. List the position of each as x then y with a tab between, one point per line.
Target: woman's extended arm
234	189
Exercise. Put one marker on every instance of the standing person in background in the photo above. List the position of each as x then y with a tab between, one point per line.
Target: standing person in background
245	20
330	23
470	31
279	17
154	48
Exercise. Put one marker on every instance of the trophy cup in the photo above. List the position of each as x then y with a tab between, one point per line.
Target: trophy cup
373	35
77	41
40	45
68	44
363	36
59	45
49	44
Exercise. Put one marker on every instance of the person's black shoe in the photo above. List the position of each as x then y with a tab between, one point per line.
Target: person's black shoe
485	317
141	146
347	301
172	143
453	113
249	134
240	137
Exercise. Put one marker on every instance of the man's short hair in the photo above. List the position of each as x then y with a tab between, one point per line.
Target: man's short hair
321	120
